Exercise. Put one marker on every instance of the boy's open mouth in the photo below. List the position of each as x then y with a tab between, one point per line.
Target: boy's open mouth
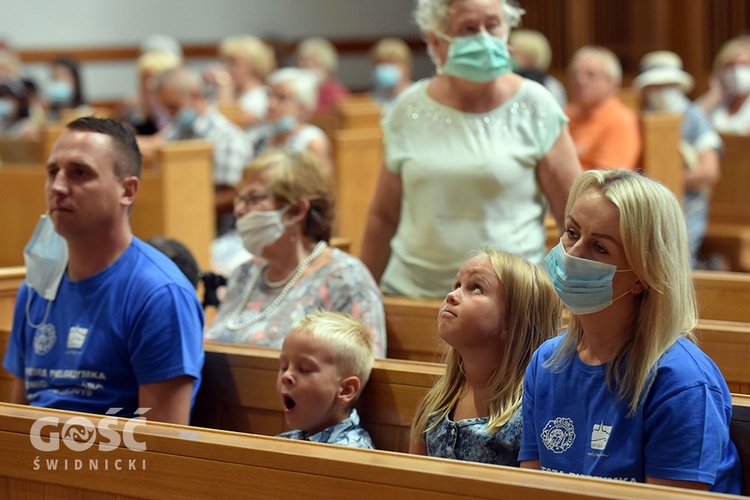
289	403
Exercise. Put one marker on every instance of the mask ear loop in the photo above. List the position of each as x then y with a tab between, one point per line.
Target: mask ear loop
28	311
621	296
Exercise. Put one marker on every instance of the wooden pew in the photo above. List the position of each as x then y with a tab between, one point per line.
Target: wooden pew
238	393
358	156
354	111
729	211
10	281
630	97
27	150
175	200
661	158
20	150
722	295
411	326
184	462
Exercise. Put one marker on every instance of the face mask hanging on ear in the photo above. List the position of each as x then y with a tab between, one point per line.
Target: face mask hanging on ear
584	286
46	257
478	58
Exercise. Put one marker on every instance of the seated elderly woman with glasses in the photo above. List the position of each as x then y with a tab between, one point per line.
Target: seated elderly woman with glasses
285	211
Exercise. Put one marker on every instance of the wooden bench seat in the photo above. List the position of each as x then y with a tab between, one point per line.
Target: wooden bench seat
183	462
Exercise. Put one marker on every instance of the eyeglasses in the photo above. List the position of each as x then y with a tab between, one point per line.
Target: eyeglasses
250	199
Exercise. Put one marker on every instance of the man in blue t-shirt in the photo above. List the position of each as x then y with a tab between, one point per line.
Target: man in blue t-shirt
104	322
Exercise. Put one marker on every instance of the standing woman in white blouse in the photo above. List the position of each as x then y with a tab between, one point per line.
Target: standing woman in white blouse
471	154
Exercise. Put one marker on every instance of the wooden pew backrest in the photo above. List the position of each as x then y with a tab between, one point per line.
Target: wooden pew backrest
661	150
10	281
238	393
728	231
411	327
728	345
729	200
184	462
357	156
20	150
722	295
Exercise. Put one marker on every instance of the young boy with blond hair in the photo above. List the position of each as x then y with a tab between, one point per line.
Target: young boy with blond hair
325	363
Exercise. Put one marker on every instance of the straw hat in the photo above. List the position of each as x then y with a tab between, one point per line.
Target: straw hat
663	67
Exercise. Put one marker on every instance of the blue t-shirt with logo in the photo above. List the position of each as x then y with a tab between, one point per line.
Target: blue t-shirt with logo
136	322
573	424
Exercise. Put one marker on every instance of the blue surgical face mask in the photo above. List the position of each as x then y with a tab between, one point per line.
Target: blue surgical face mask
478	58
385	76
46	257
59	92
7	108
185	118
584	286
285	124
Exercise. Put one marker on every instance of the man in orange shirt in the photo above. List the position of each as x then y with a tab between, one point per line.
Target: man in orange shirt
604	130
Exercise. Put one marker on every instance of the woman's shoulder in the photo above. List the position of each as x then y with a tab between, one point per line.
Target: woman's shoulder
549	346
684	365
416	93
532	93
345	263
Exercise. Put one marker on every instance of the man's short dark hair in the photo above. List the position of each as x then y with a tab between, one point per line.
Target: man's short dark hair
128	159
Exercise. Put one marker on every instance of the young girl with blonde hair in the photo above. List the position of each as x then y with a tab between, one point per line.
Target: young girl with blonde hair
500	310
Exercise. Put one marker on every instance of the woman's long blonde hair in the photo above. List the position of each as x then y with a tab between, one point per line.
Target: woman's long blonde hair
533	314
654	237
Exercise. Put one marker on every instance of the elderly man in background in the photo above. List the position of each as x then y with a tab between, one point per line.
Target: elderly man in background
180	92
604	130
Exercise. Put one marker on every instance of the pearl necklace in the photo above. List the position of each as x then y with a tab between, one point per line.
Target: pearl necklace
296	275
276	284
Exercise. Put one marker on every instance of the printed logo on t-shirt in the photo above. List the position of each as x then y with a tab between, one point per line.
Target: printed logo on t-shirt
600	436
44	339
76	337
558	435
